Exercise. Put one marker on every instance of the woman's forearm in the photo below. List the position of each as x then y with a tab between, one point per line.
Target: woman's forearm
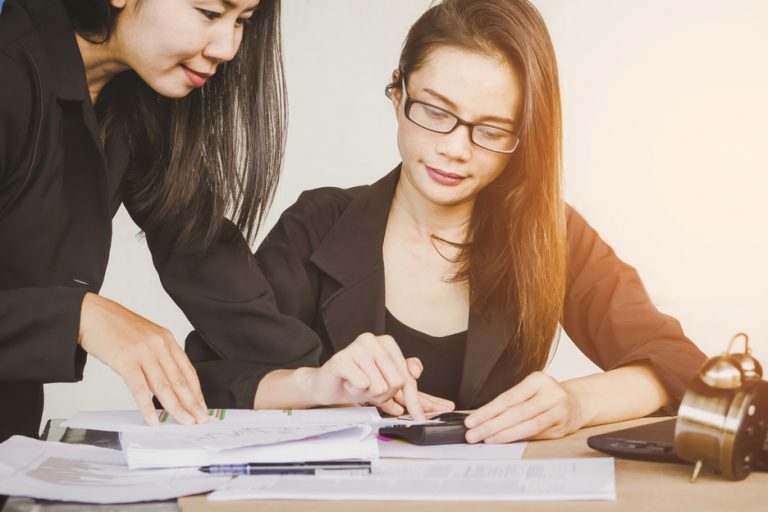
283	389
621	394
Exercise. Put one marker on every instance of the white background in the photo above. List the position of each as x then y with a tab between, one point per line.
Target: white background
665	132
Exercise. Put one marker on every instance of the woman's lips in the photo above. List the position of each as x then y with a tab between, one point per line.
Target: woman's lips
444	177
197	79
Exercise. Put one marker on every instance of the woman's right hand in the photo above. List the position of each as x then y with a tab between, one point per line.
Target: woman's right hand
146	356
373	370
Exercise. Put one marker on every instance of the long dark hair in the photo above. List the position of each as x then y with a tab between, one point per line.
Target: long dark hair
514	258
214	153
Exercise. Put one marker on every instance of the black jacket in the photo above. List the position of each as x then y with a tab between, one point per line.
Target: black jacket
59	189
324	262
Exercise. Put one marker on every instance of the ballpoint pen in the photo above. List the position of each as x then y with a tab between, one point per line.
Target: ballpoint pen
290	468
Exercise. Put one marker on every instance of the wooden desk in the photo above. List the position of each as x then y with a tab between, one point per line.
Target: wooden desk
645	486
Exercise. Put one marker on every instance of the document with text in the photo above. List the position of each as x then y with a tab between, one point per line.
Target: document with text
519	480
87	474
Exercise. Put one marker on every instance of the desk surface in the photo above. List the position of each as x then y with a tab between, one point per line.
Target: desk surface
640	486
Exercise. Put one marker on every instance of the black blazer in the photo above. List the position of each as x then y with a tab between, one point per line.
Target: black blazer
59	189
324	262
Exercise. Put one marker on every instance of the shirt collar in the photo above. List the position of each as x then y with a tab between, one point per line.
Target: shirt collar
60	45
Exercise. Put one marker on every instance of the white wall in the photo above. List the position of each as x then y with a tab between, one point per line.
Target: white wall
665	109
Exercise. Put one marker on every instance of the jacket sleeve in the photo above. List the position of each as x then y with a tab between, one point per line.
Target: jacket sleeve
610	317
38	325
240	333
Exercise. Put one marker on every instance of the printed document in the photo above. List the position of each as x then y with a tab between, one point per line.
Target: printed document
349	443
521	480
132	421
87	474
397	448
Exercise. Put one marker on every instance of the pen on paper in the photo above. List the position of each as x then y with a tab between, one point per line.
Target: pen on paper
292	468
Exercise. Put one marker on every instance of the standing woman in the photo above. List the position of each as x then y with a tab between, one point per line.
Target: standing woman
453	271
174	108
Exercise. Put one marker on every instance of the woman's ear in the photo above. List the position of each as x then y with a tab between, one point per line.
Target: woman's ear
394	91
118	4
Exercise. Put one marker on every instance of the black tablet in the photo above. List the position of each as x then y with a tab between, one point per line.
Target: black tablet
652	442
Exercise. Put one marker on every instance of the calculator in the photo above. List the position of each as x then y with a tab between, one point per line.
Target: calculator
449	430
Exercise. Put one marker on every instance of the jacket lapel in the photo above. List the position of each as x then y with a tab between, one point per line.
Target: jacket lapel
71	86
487	338
351	255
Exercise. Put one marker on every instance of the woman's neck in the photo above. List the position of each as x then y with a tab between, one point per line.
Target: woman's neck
102	62
426	219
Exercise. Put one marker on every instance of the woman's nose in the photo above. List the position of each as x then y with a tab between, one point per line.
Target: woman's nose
223	44
456	144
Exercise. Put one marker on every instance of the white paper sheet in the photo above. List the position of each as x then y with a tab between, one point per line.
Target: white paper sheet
351	443
80	473
522	480
396	448
219	439
132	421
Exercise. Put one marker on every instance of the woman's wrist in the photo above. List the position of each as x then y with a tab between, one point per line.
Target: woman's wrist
620	394
583	406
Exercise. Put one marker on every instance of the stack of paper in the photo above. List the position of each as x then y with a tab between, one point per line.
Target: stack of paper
133	421
320	443
240	436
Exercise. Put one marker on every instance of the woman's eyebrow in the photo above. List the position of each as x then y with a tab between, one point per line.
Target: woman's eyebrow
453	106
231	4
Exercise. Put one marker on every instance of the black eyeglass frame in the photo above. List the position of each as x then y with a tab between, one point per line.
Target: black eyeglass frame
459	121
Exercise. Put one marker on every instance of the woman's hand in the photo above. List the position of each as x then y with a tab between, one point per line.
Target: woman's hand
372	369
146	356
435	405
430	404
539	407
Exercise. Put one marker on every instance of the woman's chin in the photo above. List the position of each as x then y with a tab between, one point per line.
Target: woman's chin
171	90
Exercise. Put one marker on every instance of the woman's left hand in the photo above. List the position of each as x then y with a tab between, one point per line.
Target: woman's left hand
539	407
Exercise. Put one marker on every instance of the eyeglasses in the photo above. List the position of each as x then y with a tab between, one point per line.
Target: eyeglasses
436	119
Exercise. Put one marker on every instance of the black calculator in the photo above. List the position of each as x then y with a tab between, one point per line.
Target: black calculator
450	430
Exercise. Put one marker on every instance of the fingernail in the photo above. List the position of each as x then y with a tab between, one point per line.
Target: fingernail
152	421
469	422
472	437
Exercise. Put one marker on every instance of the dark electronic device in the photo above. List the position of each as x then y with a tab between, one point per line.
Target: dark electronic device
450	430
654	442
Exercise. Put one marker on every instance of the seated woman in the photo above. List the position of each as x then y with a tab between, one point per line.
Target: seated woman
450	275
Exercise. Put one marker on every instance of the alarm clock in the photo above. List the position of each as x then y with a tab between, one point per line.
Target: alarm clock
723	417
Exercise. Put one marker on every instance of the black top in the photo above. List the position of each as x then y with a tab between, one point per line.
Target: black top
441	356
59	189
324	262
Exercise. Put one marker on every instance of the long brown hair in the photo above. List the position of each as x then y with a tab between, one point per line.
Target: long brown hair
216	151
514	258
